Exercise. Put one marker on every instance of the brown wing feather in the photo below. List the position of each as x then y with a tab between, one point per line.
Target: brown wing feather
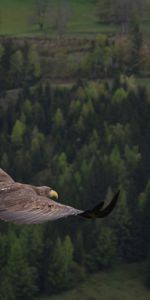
4	177
21	204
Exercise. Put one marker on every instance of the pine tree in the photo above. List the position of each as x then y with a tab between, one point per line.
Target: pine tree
105	252
21	277
60	265
136	40
122	223
18	133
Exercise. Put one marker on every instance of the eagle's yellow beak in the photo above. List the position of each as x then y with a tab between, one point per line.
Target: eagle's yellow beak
53	194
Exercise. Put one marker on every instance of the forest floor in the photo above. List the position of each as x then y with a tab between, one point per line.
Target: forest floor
123	283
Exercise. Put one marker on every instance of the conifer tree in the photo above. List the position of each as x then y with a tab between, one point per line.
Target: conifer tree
21	277
60	265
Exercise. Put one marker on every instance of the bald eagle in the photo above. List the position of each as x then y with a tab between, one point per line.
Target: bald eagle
28	204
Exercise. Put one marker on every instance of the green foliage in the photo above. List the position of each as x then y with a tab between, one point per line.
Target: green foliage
17	63
58	119
20	275
119	96
18	133
33	66
123	229
61	261
6	289
136	39
104	254
27	110
86	140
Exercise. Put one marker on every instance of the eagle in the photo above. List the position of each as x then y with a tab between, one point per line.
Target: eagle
28	204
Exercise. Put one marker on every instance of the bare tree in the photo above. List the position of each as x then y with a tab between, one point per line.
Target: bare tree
62	14
39	13
104	11
119	11
56	14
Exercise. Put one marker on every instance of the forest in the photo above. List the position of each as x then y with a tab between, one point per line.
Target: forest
74	115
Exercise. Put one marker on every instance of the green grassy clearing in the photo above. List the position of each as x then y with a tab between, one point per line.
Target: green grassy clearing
124	283
16	15
15	18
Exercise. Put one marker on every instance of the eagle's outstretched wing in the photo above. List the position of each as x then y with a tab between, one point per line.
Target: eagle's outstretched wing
26	211
21	203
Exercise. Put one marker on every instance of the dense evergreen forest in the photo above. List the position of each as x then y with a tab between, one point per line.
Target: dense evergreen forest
86	139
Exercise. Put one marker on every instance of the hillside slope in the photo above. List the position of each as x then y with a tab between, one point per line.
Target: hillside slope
124	283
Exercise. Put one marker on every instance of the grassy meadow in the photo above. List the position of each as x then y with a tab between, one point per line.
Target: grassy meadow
15	16
123	283
16	19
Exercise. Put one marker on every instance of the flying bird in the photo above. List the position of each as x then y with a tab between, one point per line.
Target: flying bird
28	204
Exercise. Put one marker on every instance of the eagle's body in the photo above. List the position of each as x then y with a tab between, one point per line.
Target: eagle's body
26	204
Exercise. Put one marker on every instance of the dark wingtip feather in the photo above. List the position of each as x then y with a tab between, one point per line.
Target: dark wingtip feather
98	211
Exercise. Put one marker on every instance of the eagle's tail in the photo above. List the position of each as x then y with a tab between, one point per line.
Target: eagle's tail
101	211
